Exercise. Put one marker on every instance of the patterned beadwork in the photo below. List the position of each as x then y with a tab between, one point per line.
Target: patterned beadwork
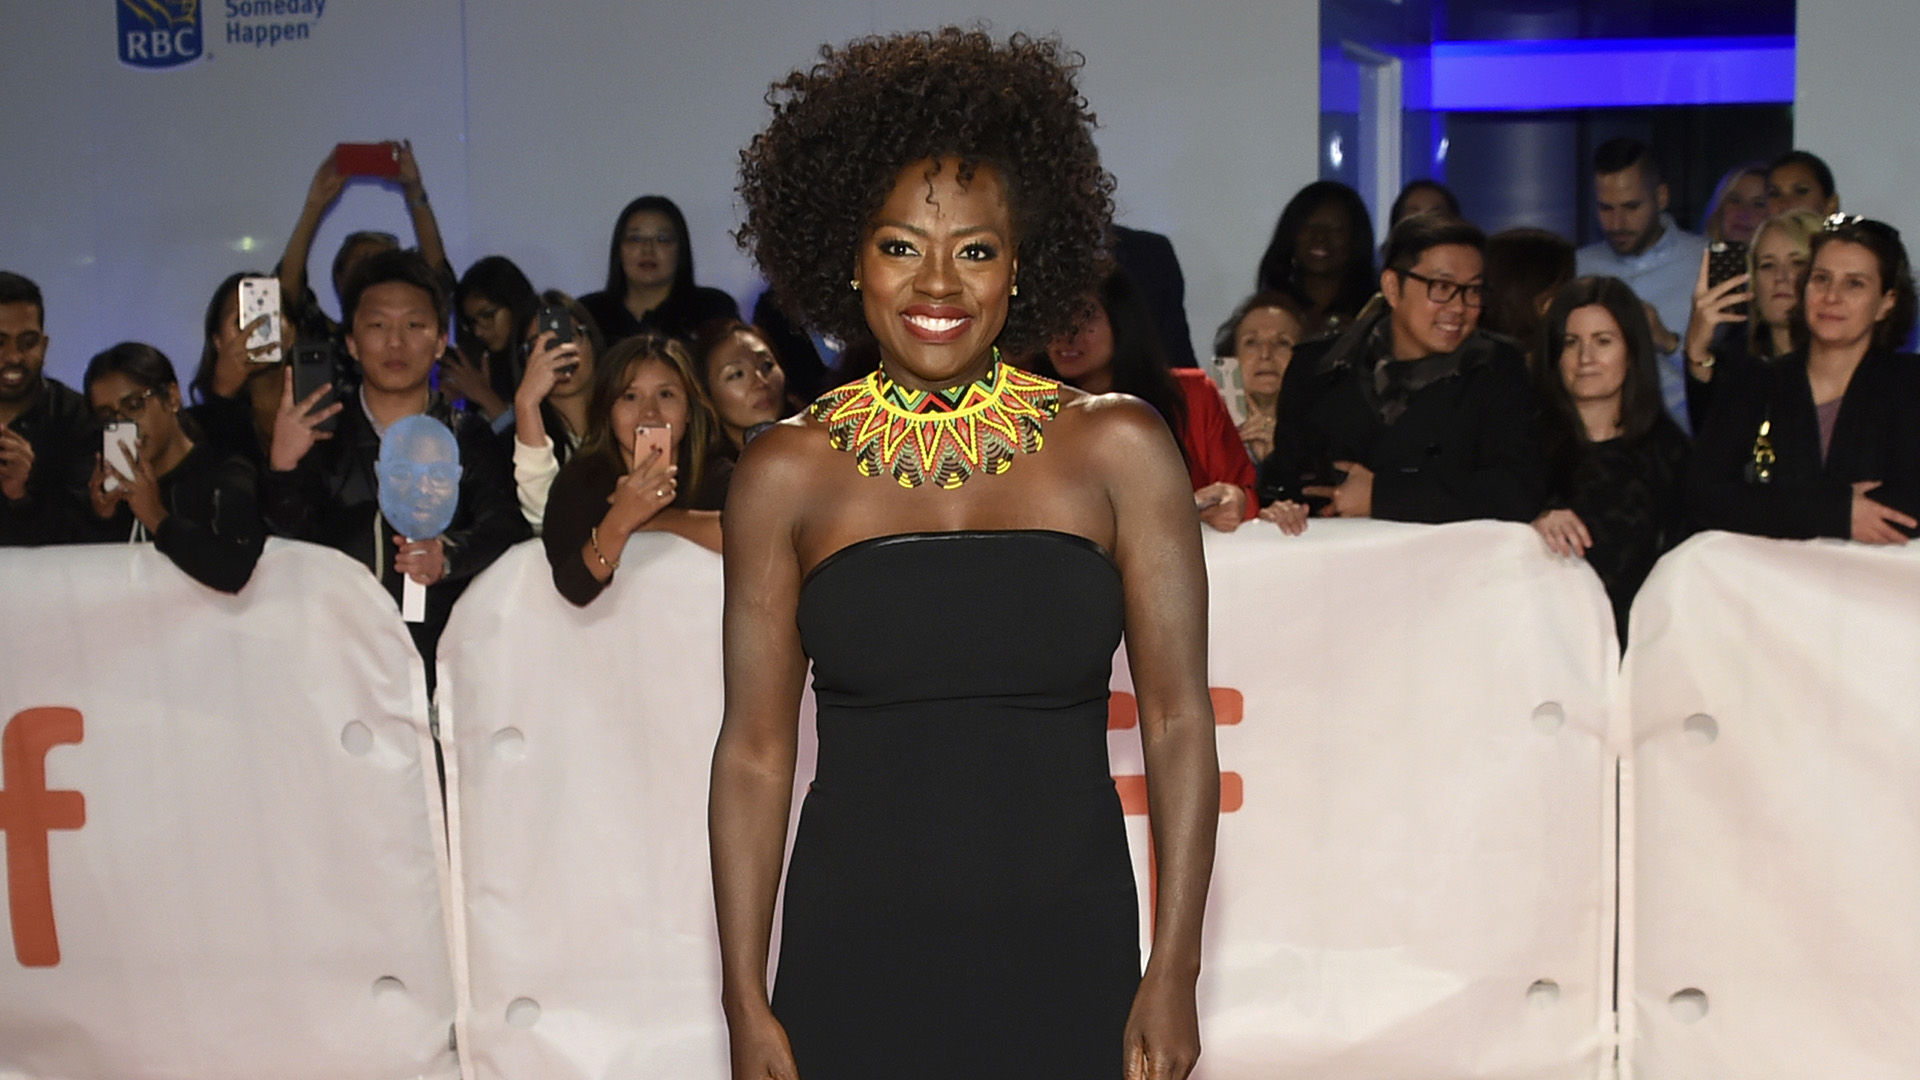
939	435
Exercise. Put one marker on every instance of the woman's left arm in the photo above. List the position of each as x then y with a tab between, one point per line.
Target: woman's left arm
1164	576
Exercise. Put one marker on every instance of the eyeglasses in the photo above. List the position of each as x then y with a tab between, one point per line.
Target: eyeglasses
1441	291
1836	222
127	408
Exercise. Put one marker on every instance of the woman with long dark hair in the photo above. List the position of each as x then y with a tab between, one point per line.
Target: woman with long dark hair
196	504
236	394
490	304
1826	440
552	406
1617	459
1322	249
617	485
1117	351
650	286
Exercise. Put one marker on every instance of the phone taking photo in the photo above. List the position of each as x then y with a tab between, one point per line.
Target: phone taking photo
649	437
556	320
1726	260
313	368
119	447
381	159
261	296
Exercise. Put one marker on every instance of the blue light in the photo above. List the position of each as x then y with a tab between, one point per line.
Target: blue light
1505	76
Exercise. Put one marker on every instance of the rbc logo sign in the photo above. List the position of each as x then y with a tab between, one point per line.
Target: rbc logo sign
159	33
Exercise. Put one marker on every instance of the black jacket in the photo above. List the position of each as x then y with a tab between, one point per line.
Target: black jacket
1875	437
212	529
1462	443
65	438
333	498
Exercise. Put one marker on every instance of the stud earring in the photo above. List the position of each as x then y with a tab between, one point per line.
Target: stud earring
855	283
1015	291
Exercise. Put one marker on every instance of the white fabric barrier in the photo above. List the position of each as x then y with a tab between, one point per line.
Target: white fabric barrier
1776	772
253	885
1414	875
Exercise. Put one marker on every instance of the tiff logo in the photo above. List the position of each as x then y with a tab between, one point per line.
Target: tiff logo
1123	714
28	812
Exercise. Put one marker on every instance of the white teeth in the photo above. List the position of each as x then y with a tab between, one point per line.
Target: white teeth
932	325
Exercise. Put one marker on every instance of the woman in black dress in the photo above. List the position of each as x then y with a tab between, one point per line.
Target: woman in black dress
1617	459
1824	441
957	546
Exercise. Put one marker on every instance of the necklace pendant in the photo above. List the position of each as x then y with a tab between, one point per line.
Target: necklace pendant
942	436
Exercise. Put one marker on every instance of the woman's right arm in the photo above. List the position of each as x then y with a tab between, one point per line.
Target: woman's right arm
753	762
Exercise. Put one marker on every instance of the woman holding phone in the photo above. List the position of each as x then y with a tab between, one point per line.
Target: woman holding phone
649	462
195	503
957	547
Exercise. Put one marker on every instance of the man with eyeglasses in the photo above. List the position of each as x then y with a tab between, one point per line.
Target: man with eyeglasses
1644	248
46	433
324	486
1413	414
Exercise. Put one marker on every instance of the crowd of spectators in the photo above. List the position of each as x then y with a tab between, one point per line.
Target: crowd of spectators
1617	396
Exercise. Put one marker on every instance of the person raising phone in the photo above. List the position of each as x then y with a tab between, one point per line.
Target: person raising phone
649	462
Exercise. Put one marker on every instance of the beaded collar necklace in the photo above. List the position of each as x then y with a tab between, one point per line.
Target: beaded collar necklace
939	435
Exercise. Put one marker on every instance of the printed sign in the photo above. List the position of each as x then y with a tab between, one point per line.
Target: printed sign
159	33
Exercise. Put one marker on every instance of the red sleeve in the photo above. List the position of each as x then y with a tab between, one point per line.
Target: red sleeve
1212	444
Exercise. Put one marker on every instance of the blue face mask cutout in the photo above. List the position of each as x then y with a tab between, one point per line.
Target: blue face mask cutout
419	471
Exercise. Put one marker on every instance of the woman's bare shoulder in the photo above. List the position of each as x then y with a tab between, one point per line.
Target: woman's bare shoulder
1113	426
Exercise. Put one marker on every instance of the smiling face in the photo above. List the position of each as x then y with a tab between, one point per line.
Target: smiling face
1778	265
654	396
1743	208
1845	296
649	249
1629	209
1322	249
1793	186
745	382
396	336
1422	327
1593	355
935	270
23	350
1263	343
1085	357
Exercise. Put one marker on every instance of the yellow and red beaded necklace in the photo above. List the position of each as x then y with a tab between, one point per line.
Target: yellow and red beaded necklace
939	435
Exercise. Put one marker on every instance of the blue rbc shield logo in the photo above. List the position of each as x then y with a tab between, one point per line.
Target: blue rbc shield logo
159	33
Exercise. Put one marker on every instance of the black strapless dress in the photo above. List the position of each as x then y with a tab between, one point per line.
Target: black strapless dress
960	901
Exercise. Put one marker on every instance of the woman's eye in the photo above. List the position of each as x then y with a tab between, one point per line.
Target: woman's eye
979	252
895	248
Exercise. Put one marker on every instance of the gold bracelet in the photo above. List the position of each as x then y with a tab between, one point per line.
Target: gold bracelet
593	538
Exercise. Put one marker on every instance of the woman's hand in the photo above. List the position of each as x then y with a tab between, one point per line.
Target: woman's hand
293	425
327	185
1712	308
647	489
758	1047
1289	515
233	362
1875	522
471	377
1162	1039
543	371
425	561
1221	505
104	501
1564	532
1257	432
1350	498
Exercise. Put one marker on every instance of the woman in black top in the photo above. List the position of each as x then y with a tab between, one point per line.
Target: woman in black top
650	277
196	504
491	303
1749	316
1322	248
235	394
615	486
1617	461
1826	440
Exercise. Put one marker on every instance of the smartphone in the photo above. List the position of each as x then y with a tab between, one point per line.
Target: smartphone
119	441
261	296
1726	260
381	159
648	437
555	319
313	368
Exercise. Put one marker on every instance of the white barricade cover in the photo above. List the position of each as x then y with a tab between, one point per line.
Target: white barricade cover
240	851
1414	877
1775	701
581	741
1417	881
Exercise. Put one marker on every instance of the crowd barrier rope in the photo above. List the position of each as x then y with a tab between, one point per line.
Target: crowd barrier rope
225	855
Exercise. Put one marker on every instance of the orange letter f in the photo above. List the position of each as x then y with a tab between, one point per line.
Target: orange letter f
28	811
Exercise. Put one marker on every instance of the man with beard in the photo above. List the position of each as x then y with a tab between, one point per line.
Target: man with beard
1645	249
46	447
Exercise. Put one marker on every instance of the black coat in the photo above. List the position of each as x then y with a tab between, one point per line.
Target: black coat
1467	444
333	498
1875	437
65	438
212	530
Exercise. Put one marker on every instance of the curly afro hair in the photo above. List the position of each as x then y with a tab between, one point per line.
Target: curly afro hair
843	129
